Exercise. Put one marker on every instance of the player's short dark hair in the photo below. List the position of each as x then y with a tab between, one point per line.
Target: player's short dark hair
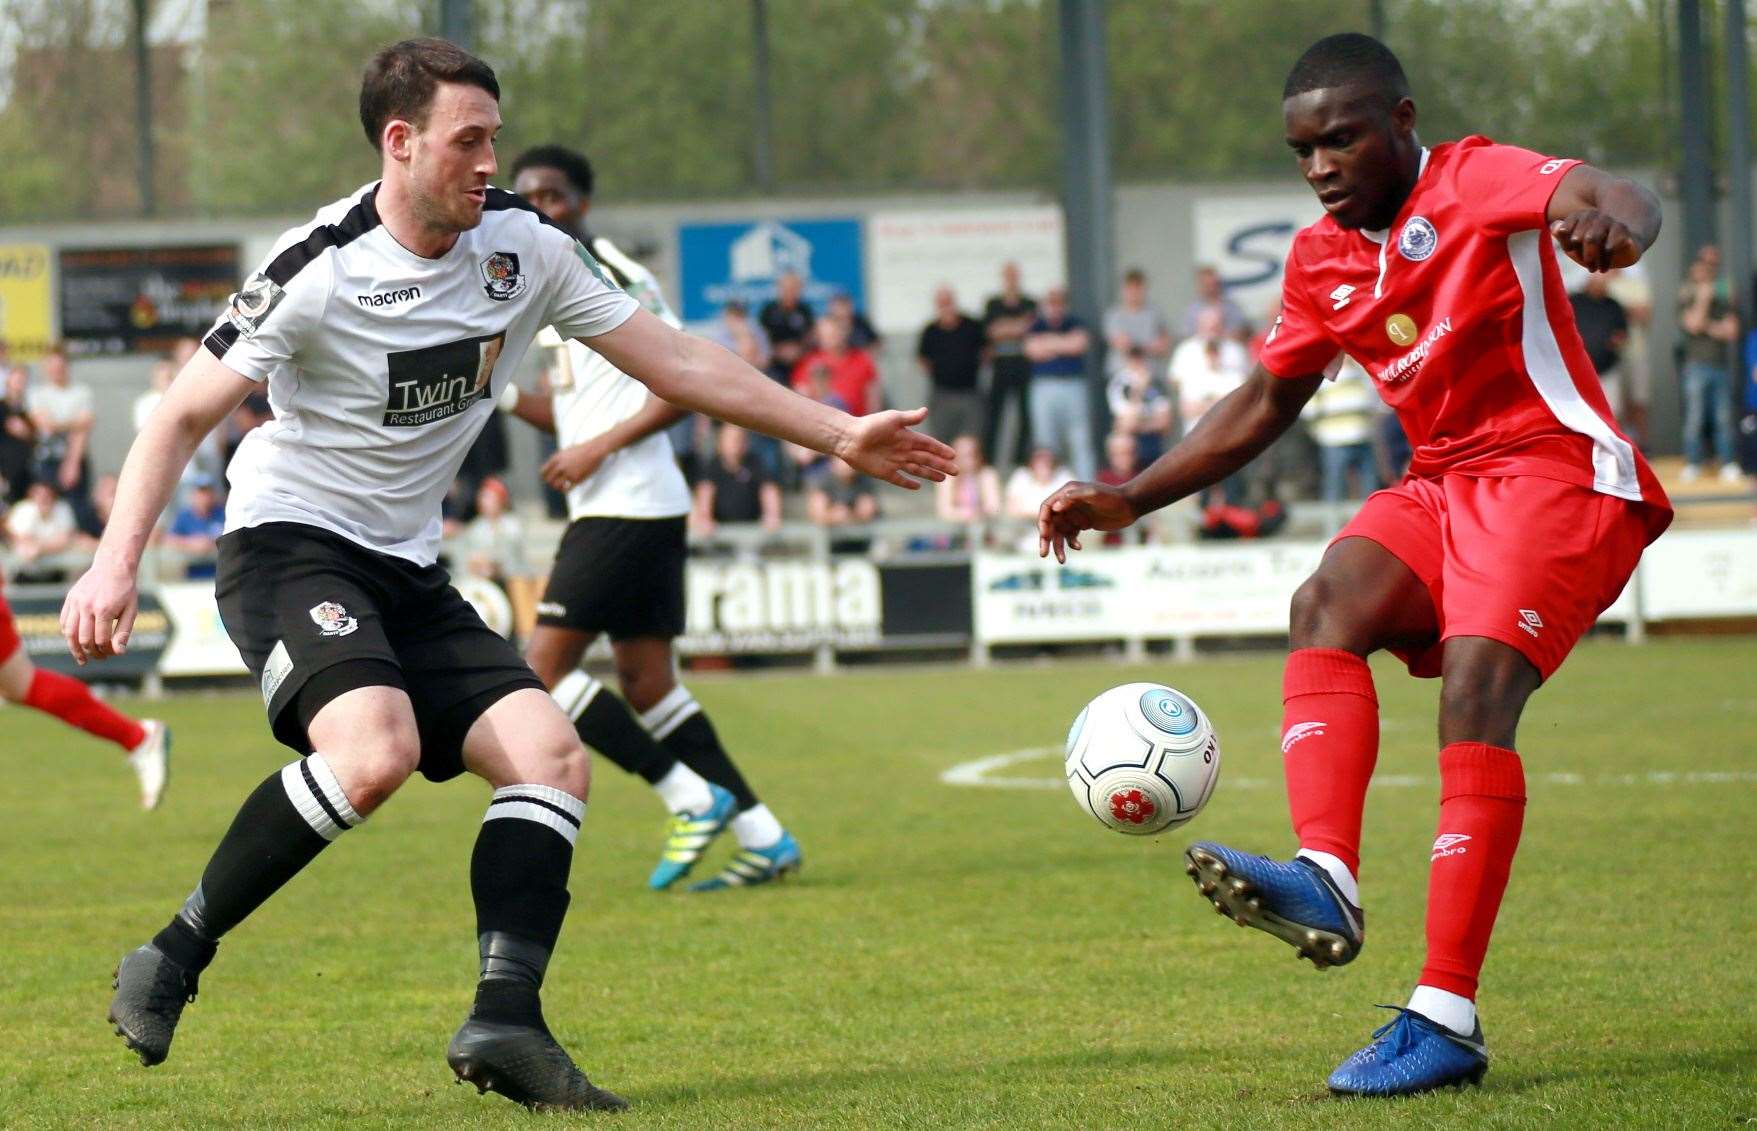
400	81
1347	59
571	162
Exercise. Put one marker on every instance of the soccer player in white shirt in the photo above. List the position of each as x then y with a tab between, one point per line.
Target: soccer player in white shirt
385	330
619	570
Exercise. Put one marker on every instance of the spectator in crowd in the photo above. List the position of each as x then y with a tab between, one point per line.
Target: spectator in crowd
97	516
853	376
195	530
63	413
735	331
41	527
1205	367
787	320
494	541
841	497
1122	462
1342	419
1604	329
1007	319
1034	481
1629	286
1132	328
1210	291
1709	328
1140	404
856	329
950	352
808	463
158	382
734	488
1061	405
972	495
18	436
692	438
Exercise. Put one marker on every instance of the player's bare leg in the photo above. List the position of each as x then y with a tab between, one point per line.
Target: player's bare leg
147	742
525	748
1360	599
646	667
699	811
366	747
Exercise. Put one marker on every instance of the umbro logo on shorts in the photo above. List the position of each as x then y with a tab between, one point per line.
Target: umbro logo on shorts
1530	621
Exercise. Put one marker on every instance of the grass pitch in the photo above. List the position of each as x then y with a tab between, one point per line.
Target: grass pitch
951	955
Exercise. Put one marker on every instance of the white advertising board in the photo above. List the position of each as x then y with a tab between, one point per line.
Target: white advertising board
909	254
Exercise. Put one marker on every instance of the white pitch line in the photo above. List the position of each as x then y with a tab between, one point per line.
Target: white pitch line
981	772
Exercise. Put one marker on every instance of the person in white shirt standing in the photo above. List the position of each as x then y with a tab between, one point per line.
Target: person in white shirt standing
619	571
385	330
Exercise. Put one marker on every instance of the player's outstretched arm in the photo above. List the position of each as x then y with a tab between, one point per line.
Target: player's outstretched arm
1229	435
696	374
98	614
1601	221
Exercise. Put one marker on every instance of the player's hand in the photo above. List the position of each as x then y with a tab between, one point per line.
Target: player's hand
1596	241
573	465
885	446
1075	507
99	612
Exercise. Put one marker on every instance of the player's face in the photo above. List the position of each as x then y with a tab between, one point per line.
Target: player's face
551	193
451	158
1353	152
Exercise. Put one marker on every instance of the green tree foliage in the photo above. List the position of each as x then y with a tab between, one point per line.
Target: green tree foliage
931	95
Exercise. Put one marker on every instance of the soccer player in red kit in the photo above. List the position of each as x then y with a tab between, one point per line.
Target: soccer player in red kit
1521	519
146	743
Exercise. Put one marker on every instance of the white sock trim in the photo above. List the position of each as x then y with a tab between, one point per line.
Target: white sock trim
575	693
1337	870
1454	1011
756	827
670	713
547	806
314	791
683	790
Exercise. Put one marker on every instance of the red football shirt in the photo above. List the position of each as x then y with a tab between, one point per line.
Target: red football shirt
1459	314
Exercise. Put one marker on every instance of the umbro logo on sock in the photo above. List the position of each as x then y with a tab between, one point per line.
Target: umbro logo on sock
1448	844
1298	731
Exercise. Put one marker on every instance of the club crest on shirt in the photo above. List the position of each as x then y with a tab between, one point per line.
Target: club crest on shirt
501	278
332	619
1418	239
253	303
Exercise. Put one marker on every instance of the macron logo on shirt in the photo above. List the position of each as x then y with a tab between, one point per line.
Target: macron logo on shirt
388	298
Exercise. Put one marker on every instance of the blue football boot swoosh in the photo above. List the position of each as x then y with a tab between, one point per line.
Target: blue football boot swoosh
1296	901
1409	1055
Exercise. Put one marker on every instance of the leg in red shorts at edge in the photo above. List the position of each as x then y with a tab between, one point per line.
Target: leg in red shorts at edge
147	743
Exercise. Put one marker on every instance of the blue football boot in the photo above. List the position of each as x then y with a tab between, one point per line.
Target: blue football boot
1410	1055
689	836
754	866
1296	902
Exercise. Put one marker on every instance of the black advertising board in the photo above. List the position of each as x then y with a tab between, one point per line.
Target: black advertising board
36	610
142	299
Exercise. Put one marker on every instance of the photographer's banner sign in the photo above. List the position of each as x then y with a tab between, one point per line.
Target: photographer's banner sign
142	299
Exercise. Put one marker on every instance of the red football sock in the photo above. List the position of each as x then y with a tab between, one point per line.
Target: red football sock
73	703
1482	807
1329	744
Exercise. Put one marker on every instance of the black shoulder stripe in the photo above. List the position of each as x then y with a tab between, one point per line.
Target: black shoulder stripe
499	200
361	218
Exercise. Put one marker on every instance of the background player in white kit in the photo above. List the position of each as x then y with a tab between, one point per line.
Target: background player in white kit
385	329
619	570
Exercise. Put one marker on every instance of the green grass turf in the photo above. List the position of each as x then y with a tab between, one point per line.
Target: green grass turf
950	956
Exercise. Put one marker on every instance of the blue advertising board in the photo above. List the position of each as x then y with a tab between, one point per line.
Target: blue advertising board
722	262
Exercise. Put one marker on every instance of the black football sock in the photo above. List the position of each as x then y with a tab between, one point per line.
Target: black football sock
604	722
679	723
518	876
281	827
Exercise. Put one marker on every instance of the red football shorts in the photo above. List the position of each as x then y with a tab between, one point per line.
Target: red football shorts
8	630
1530	562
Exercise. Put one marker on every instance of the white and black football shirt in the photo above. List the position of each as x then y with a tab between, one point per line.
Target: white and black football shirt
589	396
382	366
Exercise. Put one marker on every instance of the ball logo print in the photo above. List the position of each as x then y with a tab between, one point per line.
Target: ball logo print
1141	758
332	619
1418	239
